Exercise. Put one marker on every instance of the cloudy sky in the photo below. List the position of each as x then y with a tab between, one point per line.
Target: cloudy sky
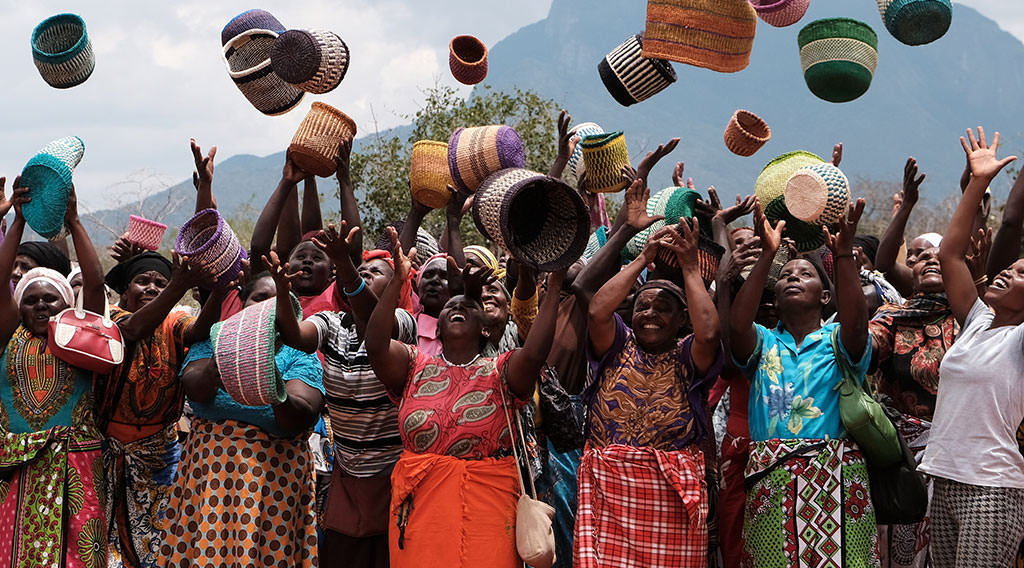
160	78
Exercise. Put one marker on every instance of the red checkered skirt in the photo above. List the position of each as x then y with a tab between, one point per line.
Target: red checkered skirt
641	507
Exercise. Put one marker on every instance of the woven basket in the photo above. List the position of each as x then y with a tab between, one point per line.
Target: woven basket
709	255
583	130
206	238
250	20
48	177
838	56
672	203
714	34
771	183
630	77
746	133
916	22
247	56
429	176
313	60
62	51
477	152
314	147
780	13
807	236
244	347
145	233
467	58
818	194
604	156
539	220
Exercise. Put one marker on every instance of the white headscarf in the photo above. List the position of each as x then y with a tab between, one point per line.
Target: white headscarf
48	275
933	239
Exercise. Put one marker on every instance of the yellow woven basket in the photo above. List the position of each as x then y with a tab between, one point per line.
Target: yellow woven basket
429	176
604	155
314	147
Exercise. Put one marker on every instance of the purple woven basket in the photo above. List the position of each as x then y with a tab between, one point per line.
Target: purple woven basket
207	238
250	20
477	152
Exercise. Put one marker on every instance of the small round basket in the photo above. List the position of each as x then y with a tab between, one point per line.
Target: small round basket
746	133
838	57
780	13
477	152
630	77
541	221
145	233
467	58
582	130
313	60
818	194
62	51
247	57
916	22
604	156
314	147
48	176
429	176
208	239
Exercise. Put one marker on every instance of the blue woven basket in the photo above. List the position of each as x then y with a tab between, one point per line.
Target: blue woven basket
49	180
916	22
250	20
62	51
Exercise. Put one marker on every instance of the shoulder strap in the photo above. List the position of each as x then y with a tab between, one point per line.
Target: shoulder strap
845	369
517	438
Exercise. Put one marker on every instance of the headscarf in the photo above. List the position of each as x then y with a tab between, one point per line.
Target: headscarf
868	244
668	286
46	255
920	306
933	239
405	295
423	267
487	257
48	275
120	276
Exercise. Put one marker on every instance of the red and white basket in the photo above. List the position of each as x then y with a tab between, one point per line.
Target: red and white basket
145	233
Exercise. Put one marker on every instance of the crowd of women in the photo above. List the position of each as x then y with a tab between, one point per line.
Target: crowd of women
671	415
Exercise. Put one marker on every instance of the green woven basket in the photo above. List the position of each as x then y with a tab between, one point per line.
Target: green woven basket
916	22
838	57
807	236
771	183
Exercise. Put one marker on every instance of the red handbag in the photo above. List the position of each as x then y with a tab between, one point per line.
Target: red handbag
86	340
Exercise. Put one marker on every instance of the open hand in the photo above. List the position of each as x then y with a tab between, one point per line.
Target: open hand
204	165
770	237
977	252
636	207
982	157
334	245
403	262
565	138
911	183
652	158
279	272
841	243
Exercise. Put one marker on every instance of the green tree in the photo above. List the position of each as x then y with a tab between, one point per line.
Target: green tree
380	170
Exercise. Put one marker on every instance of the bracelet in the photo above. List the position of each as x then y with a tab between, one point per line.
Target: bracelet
362	286
981	281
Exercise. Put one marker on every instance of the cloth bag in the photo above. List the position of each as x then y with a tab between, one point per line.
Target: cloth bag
898	491
86	340
563	425
535	539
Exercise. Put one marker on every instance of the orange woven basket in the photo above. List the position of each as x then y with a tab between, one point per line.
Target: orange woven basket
314	147
746	133
429	176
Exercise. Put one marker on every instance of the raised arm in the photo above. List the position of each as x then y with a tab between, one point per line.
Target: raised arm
956	276
94	293
263	231
349	206
413	220
897	274
707	337
453	226
566	145
388	357
525	364
9	317
742	332
143	323
1006	243
312	218
202	178
301	335
289	233
340	245
852	307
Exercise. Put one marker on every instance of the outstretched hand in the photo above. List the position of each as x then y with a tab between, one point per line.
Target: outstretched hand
770	237
123	249
279	272
977	253
204	164
334	245
566	140
683	242
841	243
982	157
837	154
403	262
473	278
911	183
636	207
652	158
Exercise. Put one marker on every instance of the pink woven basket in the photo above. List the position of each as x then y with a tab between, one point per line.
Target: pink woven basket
145	233
780	13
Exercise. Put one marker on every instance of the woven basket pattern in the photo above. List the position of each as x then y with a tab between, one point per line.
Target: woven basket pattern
714	34
838	57
539	220
780	13
145	233
429	176
207	238
916	22
477	152
807	236
630	77
247	56
771	183
746	133
49	181
314	147
68	149
250	20
604	156
818	194
244	347
656	205
709	255
62	51
583	130
467	59
313	60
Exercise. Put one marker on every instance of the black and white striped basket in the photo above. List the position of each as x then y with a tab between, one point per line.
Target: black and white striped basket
247	56
630	77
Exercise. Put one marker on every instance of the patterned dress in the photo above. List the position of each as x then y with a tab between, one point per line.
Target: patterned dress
51	494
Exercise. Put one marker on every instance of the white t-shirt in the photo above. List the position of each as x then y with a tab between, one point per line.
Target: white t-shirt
980	405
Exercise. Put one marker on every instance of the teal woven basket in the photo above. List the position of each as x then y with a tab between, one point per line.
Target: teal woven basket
62	51
48	177
838	57
916	22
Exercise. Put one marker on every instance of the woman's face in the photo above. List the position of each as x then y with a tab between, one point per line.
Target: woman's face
460	317
22	264
1007	289
312	268
376	273
927	272
495	305
262	289
433	287
657	318
915	248
742	236
40	302
142	289
474	260
799	286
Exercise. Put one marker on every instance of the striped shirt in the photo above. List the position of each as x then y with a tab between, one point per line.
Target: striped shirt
363	419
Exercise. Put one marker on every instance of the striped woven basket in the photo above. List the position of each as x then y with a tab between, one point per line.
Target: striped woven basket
467	58
839	57
714	34
247	57
145	233
62	51
780	13
630	77
250	20
314	147
807	236
48	176
208	239
576	165
770	189
244	347
818	194
604	156
539	220
477	152
916	22
313	60
746	133
429	176
672	203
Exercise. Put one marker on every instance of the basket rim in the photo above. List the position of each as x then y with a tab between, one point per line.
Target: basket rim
662	66
758	121
67	53
328	109
594	141
230	45
221	224
468	38
869	37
